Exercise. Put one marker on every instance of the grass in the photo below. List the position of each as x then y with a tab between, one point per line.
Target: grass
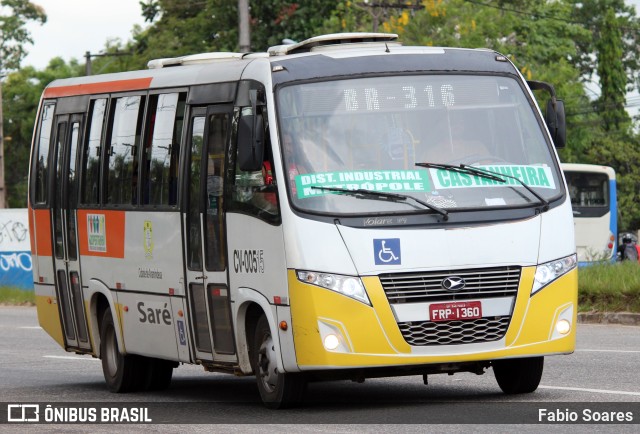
602	288
609	287
15	296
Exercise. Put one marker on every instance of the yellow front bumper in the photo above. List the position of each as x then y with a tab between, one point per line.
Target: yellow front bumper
370	337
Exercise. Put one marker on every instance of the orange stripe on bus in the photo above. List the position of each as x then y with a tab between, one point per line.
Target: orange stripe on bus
32	227
42	235
101	233
94	88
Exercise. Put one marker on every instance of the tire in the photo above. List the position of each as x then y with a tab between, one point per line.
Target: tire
518	375
277	389
122	372
159	374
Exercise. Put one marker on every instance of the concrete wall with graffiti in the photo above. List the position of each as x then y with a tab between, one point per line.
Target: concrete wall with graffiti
15	250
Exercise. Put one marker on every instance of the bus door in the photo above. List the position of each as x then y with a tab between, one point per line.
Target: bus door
204	229
67	268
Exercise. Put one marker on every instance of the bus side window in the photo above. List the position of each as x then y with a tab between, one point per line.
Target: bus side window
41	169
122	155
90	178
162	148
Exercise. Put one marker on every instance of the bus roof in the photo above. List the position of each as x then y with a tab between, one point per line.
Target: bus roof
592	168
327	56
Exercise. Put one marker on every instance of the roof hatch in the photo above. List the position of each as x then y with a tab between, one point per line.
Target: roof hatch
331	39
199	58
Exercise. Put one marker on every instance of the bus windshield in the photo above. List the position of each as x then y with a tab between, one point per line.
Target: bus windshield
373	133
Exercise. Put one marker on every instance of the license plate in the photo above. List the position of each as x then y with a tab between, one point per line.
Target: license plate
459	310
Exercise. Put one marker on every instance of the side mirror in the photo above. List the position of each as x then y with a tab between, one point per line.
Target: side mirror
554	115
555	119
250	143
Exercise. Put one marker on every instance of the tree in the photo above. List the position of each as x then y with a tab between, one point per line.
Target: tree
150	10
279	19
182	27
178	28
613	79
13	38
589	14
13	33
613	53
619	150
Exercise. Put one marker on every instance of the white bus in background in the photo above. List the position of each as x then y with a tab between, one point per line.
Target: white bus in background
340	208
595	211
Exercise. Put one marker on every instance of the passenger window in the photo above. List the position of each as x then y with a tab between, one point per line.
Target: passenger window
90	194
122	151
41	164
162	149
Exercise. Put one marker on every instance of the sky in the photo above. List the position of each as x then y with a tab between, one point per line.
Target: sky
74	27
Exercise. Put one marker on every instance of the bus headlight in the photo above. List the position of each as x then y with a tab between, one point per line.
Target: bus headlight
345	285
550	271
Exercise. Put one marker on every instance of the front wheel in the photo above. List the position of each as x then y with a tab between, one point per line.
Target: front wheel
518	375
277	389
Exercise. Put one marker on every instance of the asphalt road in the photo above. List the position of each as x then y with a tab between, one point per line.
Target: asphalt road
602	375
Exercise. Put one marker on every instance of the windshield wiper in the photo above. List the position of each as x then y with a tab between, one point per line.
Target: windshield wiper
487	174
362	193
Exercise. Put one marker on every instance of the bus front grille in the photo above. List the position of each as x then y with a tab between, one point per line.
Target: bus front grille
454	332
428	286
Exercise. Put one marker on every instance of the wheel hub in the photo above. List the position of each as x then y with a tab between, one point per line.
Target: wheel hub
268	371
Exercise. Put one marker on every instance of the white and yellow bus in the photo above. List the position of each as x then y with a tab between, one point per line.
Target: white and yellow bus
344	207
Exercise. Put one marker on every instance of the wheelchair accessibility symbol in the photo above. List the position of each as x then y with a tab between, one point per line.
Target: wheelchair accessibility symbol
387	251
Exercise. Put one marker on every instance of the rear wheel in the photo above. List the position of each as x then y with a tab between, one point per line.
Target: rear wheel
159	373
277	389
518	375
122	372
